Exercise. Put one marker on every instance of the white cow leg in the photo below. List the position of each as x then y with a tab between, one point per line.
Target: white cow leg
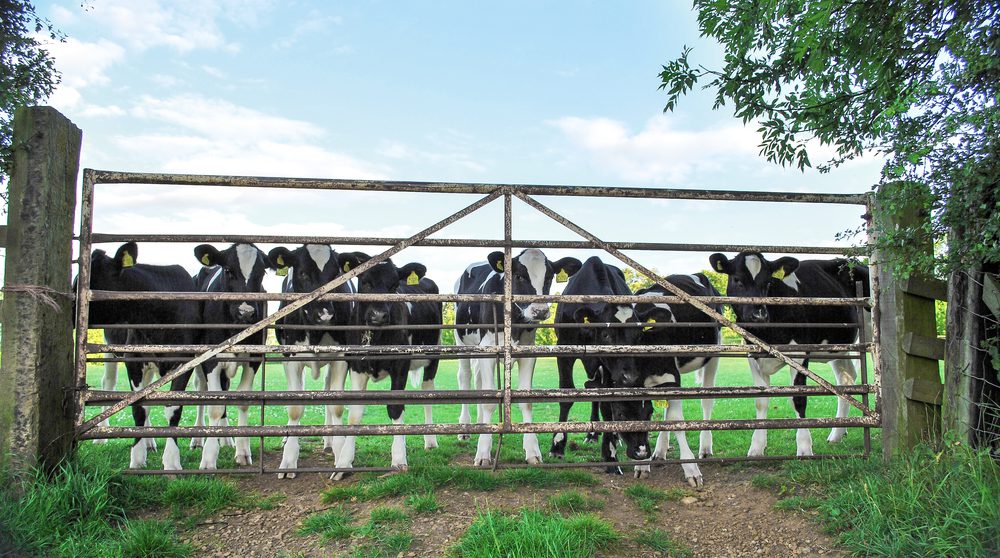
464	381
335	379
171	453
484	376
525	371
210	453
430	440
803	438
355	413
675	412
148	375
708	380
290	453
662	441
758	442
108	383
399	448
846	376
243	454
199	418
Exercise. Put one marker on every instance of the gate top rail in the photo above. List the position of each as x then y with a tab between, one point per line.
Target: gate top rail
119	177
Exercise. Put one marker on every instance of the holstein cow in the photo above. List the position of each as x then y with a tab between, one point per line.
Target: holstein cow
237	269
383	278
122	273
531	274
666	370
752	275
423	313
114	336
306	269
608	371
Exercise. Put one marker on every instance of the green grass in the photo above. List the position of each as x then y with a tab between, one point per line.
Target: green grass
423	503
649	499
386	534
332	524
922	504
572	501
534	533
660	541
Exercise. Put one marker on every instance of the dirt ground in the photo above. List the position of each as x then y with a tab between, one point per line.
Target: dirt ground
727	518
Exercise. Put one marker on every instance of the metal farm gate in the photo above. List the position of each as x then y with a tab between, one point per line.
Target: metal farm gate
505	396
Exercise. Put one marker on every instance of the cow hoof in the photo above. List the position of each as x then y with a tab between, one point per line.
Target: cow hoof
557	454
286	475
534	460
614	471
401	467
696	482
430	442
464	437
659	457
704	454
207	466
244	460
328	449
196	443
591	438
483	462
642	473
340	475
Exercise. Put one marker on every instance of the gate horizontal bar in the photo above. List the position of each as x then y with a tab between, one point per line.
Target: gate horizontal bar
378	397
417	327
117	177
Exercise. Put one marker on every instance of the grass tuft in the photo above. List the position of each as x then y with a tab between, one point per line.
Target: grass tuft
648	499
573	501
152	539
534	533
423	503
660	541
332	524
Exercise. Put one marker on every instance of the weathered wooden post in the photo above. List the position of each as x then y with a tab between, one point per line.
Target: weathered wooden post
909	348
36	376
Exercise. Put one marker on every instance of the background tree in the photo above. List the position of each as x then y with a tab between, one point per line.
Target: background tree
27	72
916	81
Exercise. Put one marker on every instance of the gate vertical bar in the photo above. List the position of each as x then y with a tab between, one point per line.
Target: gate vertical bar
862	339
507	307
83	289
876	285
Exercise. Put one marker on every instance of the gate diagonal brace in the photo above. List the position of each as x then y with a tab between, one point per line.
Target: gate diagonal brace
689	299
281	313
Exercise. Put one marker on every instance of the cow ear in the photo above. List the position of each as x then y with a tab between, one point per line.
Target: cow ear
585	315
496	261
720	263
126	256
351	260
280	259
783	267
653	315
412	273
207	255
566	268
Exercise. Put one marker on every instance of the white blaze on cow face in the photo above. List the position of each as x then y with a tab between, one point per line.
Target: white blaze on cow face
534	261
792	281
624	313
320	254
247	256
753	264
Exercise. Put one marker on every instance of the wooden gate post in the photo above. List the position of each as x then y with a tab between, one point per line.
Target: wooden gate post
909	349
36	376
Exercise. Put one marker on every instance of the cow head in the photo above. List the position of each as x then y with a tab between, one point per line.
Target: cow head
308	268
532	274
240	270
108	273
751	275
382	278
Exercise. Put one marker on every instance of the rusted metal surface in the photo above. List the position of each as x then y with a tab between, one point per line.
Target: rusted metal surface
83	288
415	327
117	177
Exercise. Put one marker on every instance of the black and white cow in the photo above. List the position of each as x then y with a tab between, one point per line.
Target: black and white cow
666	370
382	278
306	269
532	274
115	336
752	275
423	313
608	371
237	269
122	273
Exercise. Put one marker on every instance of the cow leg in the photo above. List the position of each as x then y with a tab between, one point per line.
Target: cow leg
464	380
149	373
243	454
662	441
199	419
172	453
229	372
108	383
675	412
803	438
609	444
345	459
430	372
846	376
137	382
210	453
486	380
525	372
594	380
398	383
336	377
708	380
565	365
758	443
290	454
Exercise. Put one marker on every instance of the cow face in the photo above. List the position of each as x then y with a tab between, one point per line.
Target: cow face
308	268
240	270
532	274
382	278
751	275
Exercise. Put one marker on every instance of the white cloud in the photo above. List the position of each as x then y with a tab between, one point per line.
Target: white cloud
183	25
81	65
314	24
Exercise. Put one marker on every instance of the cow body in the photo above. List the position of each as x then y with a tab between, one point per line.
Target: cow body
752	275
121	273
531	274
606	371
237	269
424	313
306	269
382	278
665	371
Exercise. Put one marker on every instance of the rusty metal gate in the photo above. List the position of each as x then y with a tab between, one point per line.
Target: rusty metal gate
505	396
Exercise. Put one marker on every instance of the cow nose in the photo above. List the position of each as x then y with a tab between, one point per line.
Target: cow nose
325	316
377	317
642	452
631	378
759	315
245	310
538	312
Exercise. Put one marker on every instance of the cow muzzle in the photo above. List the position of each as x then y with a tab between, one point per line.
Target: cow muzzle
759	315
377	318
245	312
537	312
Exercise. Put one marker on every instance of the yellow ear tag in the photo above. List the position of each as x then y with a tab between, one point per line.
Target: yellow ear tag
649	321
204	260
281	261
127	260
780	274
586	319
661	404
412	278
347	266
562	276
281	271
500	266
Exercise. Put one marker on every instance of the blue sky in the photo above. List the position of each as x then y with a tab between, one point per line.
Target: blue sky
511	92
